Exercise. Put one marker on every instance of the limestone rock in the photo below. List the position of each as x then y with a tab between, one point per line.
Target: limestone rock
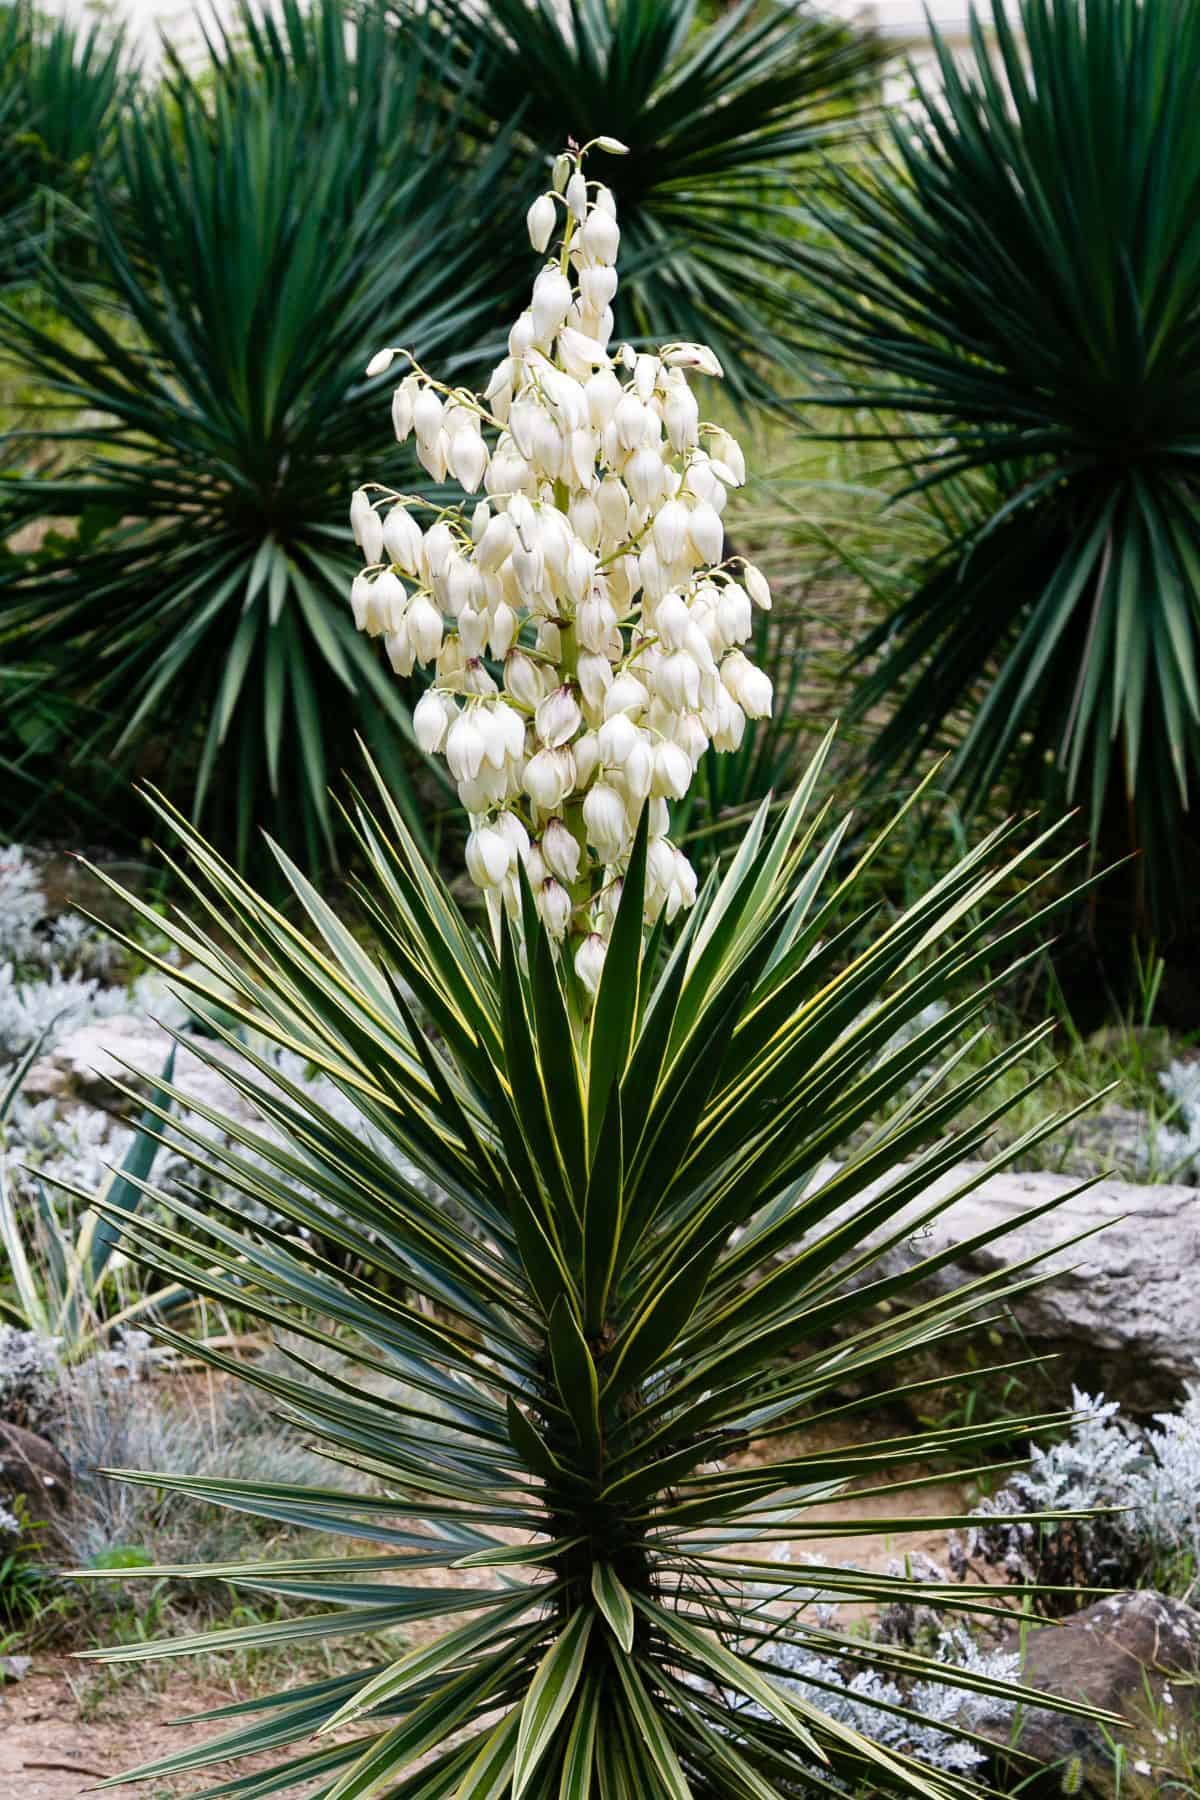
85	1066
1122	1308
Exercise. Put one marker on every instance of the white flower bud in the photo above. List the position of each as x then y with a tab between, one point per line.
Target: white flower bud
558	717
728	451
594	620
757	585
523	679
389	598
549	777
576	195
551	302
522	336
366	526
468	457
692	356
671	620
597	288
645	375
402	540
627	694
434	454
637	773
472	631
603	394
437	547
381	360
554	906
706	532
425	628
431	720
501	379
595	675
670	530
681	416
399	649
748	685
427	416
644	476
402	407
629	421
587	758
561	851
613	502
735	615
731	722
496	543
539	221
654	579
672	770
513	833
503	625
562	171
489	858
589	961
465	747
678	681
604	820
586	522
616	739
360	601
599	238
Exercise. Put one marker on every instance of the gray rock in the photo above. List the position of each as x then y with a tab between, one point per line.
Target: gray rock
1121	1308
32	1469
1134	1654
85	1066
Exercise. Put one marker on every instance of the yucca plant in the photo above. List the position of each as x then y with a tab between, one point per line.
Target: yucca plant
214	398
642	1263
589	1155
720	118
1022	275
62	86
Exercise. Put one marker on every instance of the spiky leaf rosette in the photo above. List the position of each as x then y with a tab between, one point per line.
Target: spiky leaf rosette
720	120
634	1268
62	85
1027	284
214	408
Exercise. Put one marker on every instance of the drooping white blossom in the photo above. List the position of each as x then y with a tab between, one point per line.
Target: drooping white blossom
582	623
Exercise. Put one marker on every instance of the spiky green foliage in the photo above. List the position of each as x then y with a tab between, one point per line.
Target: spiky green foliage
61	88
264	245
1024	276
616	1254
718	118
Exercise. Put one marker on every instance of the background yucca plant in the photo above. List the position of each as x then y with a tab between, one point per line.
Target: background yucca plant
265	237
62	85
1023	276
719	118
624	1258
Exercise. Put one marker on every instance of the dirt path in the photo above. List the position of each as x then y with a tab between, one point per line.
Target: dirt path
60	1734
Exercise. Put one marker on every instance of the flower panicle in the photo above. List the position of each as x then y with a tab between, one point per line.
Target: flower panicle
582	619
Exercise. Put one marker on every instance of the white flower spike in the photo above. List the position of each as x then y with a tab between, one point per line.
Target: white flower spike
583	633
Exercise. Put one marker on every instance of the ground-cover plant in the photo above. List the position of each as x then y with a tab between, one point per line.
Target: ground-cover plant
216	390
1019	277
1141	1484
634	1251
719	118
